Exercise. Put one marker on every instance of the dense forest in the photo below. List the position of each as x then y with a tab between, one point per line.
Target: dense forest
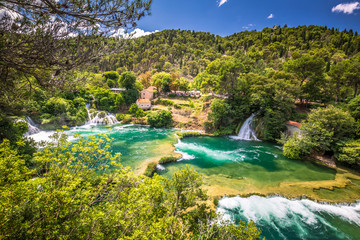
308	74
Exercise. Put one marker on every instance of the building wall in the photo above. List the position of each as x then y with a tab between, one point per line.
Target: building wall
145	94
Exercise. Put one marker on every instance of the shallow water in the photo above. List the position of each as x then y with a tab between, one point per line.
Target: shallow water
257	163
137	144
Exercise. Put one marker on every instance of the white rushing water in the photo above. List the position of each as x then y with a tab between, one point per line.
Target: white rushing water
280	217
247	131
100	117
32	128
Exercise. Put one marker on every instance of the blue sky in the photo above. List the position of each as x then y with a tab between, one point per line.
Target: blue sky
235	15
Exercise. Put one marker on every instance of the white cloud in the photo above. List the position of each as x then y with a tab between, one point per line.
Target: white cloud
134	34
221	2
348	8
248	26
270	16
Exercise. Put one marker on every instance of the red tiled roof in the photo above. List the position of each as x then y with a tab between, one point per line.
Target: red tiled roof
144	101
295	124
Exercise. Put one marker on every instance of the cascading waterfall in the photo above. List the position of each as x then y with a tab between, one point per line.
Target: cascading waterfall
100	117
247	132
32	129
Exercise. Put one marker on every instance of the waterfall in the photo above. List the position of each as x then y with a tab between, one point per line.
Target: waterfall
247	132
32	129
100	117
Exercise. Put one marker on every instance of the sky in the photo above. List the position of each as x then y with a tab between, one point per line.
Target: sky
225	17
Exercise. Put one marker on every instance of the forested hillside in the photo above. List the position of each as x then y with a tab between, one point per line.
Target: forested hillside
192	51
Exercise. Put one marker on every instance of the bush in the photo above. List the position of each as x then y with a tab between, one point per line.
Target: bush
169	159
160	119
127	118
150	170
139	113
225	131
297	148
349	153
133	108
56	106
120	117
189	134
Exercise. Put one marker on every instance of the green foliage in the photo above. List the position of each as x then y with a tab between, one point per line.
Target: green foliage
297	147
56	106
188	134
224	131
83	192
162	81
113	75
162	118
127	80
169	159
309	72
133	108
130	96
150	169
12	166
327	126
349	153
136	111
105	99
112	78
14	130
274	124
221	113
324	129
354	107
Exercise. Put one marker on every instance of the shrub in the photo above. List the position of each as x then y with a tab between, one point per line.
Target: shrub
150	170
189	134
56	106
120	117
160	119
127	118
169	159
349	153
133	108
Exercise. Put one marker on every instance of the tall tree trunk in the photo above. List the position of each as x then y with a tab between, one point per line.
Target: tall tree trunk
355	89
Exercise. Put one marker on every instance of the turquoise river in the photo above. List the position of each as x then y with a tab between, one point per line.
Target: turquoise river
252	179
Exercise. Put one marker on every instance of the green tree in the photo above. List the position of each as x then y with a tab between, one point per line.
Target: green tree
322	132
221	113
162	81
162	118
309	72
349	153
127	80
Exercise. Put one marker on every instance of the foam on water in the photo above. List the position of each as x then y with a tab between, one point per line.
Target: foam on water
196	148
191	150
160	167
280	214
42	136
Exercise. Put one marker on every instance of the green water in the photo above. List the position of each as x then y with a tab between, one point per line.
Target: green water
137	144
257	163
243	166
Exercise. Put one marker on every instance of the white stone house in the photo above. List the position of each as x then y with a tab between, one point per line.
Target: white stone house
144	104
